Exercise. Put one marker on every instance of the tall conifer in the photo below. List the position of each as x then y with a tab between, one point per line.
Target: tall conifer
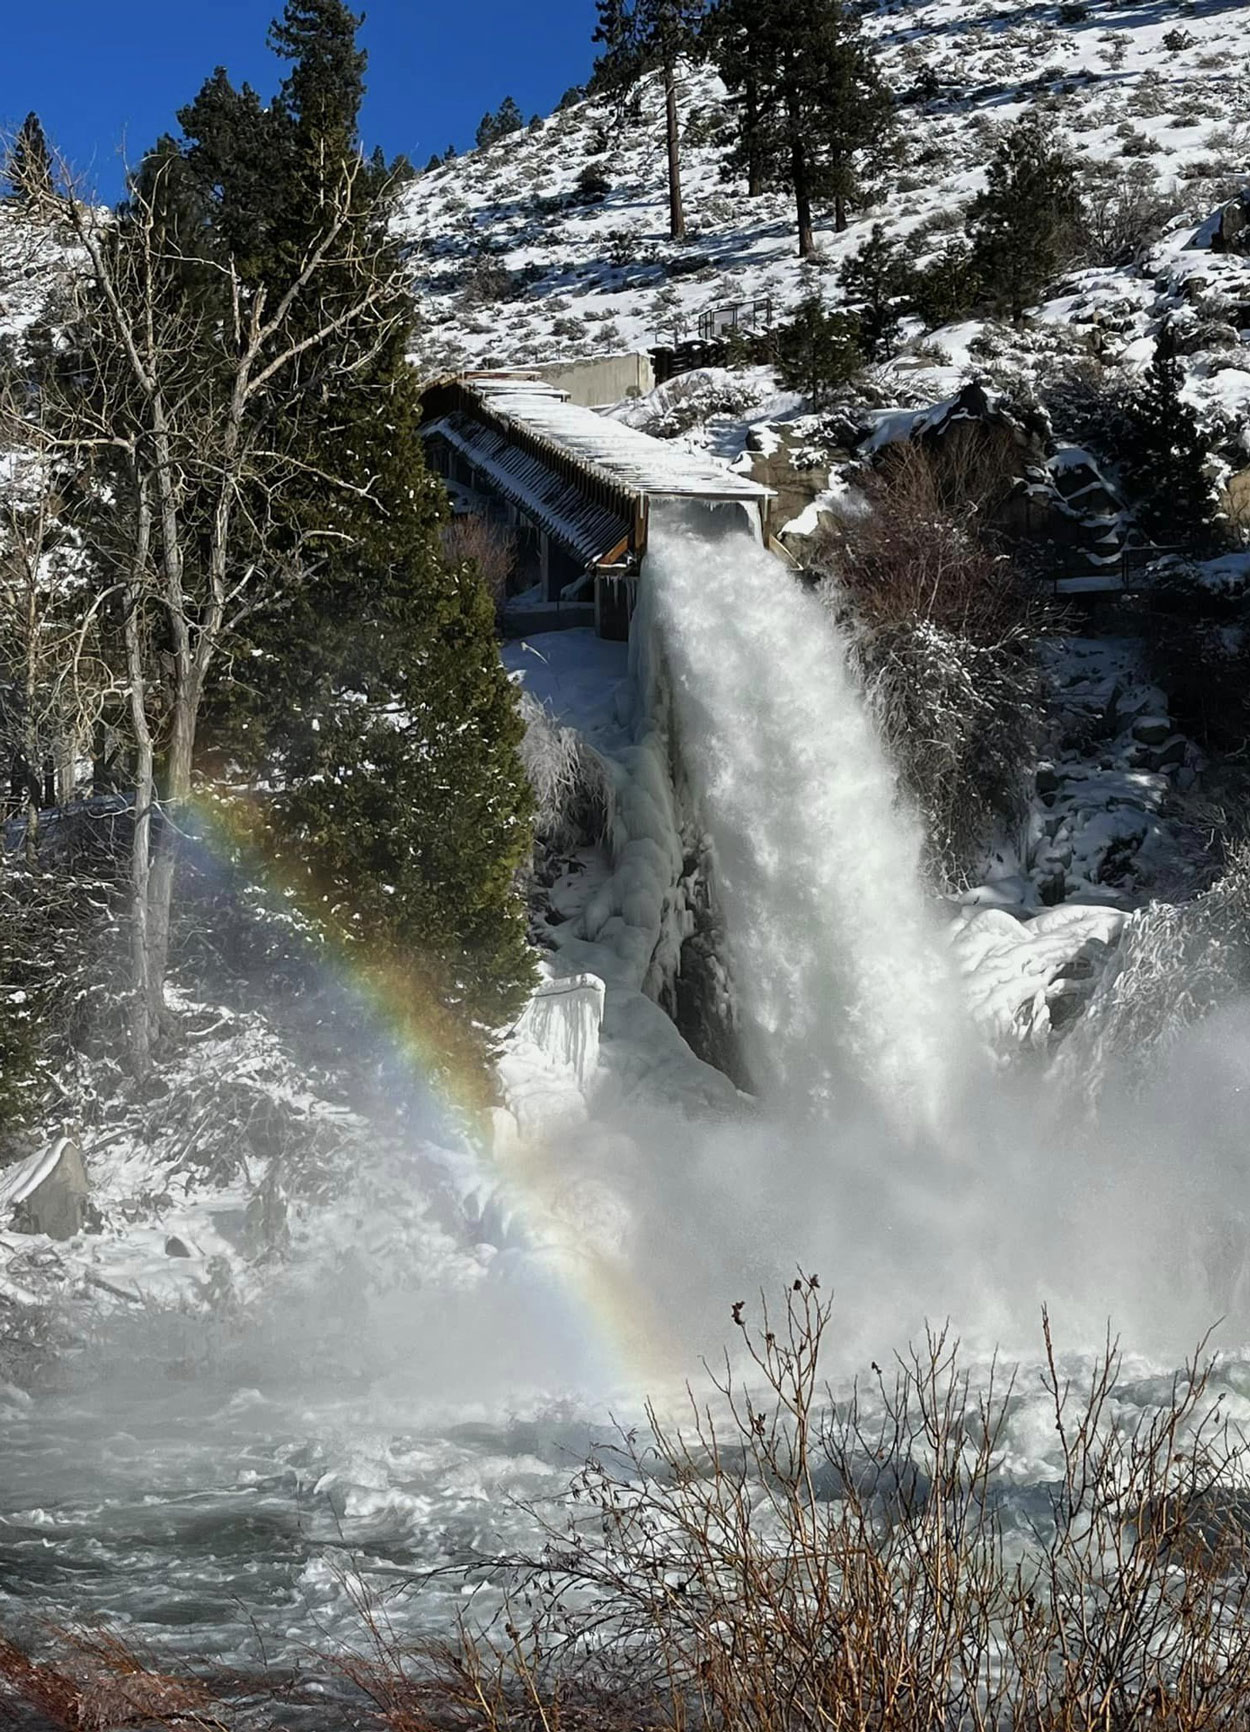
374	695
29	168
1023	225
815	113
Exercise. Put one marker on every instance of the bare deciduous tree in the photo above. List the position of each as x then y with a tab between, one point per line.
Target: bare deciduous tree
180	369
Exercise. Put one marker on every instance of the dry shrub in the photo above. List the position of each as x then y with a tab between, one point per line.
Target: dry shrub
939	625
962	721
1125	210
488	545
786	1561
102	1682
918	553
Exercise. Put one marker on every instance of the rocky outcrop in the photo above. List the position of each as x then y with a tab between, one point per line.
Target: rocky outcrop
48	1192
1231	233
786	461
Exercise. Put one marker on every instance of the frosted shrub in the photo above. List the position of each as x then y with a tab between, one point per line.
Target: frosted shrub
939	632
960	720
782	1561
691	399
1175	964
572	784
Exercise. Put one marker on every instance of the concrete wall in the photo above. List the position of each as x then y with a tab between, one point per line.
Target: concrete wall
606	379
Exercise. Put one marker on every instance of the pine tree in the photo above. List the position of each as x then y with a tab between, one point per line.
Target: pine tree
647	36
506	119
373	683
1023	225
817	351
29	168
238	157
1165	456
326	85
619	66
815	113
877	282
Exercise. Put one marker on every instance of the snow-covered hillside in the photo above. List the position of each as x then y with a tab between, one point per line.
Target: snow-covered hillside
515	264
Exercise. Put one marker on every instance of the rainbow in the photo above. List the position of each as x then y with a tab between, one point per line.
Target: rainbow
420	1039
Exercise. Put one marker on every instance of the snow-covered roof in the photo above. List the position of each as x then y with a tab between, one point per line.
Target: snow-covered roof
589	525
583	477
630	459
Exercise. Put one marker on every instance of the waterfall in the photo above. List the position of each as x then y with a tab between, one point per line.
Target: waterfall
839	974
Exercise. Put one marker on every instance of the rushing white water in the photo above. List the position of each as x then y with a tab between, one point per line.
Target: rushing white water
838	970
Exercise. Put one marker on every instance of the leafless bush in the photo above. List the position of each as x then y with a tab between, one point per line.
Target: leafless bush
789	1561
1125	211
939	629
962	722
572	784
786	1561
917	552
490	546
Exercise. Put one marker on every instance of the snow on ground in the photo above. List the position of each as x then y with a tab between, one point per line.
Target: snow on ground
514	265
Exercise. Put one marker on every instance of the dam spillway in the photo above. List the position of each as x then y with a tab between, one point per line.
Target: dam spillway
574	487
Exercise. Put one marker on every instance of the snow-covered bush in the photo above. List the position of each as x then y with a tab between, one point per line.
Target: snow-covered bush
61	956
691	399
939	631
1175	964
961	721
572	784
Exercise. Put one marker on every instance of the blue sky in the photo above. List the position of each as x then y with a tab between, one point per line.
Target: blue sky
105	76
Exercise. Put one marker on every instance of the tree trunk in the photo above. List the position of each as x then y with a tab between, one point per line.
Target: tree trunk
141	1025
839	212
164	871
30	733
754	144
140	849
676	212
801	179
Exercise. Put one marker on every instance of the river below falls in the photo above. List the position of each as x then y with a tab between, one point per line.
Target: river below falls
216	1523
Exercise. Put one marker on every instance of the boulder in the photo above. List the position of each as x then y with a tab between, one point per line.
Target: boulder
1232	229
47	1193
1152	730
1170	756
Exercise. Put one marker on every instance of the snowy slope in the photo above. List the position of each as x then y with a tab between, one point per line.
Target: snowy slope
514	267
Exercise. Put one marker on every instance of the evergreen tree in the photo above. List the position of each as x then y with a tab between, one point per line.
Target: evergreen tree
646	36
506	119
727	36
1023	226
29	168
815	113
372	690
818	351
619	66
237	159
878	283
1164	455
322	94
947	287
